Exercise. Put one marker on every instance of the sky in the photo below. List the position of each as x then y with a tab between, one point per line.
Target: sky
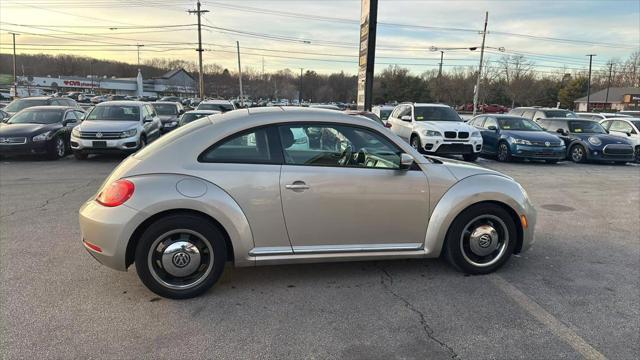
322	35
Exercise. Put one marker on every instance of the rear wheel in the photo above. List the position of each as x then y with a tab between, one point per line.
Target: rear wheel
481	239
578	153
504	153
180	256
143	142
637	152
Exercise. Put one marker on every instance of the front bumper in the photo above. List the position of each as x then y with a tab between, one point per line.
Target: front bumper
611	152
88	146
539	152
109	229
442	146
30	147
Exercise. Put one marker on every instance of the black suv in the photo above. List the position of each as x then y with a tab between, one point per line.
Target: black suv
535	113
587	140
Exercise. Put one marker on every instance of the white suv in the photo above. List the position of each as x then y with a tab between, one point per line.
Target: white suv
627	128
435	129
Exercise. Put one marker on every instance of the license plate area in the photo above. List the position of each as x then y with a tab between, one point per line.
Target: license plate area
100	144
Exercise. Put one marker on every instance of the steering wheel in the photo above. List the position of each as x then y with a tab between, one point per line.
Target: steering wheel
345	158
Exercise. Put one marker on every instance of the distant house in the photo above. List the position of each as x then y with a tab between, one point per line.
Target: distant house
620	98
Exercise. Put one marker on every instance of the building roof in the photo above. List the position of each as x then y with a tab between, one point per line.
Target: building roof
174	72
616	94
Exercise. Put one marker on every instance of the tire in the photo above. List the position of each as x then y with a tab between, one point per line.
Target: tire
637	152
551	161
503	154
480	219
176	273
143	142
80	156
416	144
578	154
57	149
470	157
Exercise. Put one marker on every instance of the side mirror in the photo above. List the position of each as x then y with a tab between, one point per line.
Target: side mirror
562	131
405	118
406	161
147	119
492	127
628	133
181	112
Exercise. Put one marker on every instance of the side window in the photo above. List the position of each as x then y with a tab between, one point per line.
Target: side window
396	111
80	115
529	114
150	110
71	115
479	121
337	145
539	115
490	121
249	148
621	126
544	124
606	124
551	126
145	112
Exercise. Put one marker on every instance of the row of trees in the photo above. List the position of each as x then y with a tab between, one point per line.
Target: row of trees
511	81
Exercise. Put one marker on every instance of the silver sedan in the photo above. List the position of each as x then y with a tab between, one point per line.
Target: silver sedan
291	185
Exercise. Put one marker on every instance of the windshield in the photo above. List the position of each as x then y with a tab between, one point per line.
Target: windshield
115	113
166	109
218	107
518	124
187	118
20	104
37	117
384	114
560	114
436	113
636	123
586	127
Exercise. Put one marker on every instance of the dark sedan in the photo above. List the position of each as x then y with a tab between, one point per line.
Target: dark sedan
507	137
39	130
587	140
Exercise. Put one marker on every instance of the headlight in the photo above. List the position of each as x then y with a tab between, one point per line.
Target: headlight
476	134
174	123
75	132
42	137
594	141
431	133
128	133
521	142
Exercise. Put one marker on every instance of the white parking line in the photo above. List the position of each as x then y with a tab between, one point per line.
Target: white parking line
551	322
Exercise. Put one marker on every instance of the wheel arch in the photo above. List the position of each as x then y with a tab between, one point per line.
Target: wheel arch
474	190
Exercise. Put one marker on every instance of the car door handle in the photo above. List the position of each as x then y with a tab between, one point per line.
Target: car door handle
297	185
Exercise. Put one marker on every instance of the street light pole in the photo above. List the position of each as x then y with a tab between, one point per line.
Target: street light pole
300	89
199	13
589	82
606	99
15	76
240	75
440	76
139	46
477	89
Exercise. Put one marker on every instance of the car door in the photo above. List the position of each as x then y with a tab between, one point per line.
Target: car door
405	127
399	126
490	137
151	128
70	120
367	203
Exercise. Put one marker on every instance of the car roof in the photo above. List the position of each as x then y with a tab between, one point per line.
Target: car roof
427	104
285	114
55	107
165	102
503	116
538	108
215	102
123	102
568	118
37	98
384	106
202	112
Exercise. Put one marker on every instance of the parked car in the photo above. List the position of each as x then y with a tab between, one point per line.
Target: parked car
537	113
369	115
85	97
598	116
116	97
115	127
435	129
587	140
184	206
171	99
218	105
625	128
632	113
23	103
39	130
169	113
382	111
507	137
99	99
325	106
4	116
193	115
493	109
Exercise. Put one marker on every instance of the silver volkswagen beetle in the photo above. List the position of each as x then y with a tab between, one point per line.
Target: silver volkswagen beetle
290	185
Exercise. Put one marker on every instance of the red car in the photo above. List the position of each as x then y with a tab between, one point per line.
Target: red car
493	109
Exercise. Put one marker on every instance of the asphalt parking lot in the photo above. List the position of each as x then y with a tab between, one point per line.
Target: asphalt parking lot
575	294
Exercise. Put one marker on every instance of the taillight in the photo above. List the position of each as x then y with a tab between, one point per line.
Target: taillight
116	193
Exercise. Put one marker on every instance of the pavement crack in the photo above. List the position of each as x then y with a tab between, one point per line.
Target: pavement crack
49	200
386	280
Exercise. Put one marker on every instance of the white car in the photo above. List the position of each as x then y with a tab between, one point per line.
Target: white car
435	129
627	128
217	105
599	116
383	111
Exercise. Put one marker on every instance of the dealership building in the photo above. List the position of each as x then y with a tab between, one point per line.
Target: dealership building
176	82
619	98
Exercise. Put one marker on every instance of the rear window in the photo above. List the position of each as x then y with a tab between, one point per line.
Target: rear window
217	107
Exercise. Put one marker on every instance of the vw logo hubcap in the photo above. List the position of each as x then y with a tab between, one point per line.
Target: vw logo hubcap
484	241
181	259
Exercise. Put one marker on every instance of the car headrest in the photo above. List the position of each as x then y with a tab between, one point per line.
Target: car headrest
286	135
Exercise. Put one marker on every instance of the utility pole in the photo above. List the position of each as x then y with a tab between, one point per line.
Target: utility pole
589	83
139	46
477	89
440	76
199	13
15	76
240	75
606	99
300	89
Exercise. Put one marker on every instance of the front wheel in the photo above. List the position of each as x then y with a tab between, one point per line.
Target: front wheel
481	239
57	149
637	152
416	144
578	153
180	256
470	157
504	153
